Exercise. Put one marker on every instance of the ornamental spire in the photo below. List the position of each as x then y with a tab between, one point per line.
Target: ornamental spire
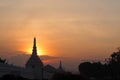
34	47
60	66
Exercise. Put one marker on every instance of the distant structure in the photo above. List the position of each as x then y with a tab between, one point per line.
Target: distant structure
60	68
34	68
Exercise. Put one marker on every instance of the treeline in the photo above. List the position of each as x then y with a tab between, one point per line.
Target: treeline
98	71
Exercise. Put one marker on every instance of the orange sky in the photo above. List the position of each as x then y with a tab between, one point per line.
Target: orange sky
81	29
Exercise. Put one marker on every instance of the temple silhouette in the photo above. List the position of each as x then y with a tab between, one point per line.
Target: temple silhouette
34	67
35	64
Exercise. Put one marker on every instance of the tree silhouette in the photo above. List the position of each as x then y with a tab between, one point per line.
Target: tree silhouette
115	57
3	61
95	69
114	64
110	70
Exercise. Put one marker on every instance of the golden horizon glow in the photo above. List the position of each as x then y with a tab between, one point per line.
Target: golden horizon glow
42	48
39	51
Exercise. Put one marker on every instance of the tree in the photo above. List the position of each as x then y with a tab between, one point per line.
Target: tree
110	70
3	61
95	69
114	64
115	57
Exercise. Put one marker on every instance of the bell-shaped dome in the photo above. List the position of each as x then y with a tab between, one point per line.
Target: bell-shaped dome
34	61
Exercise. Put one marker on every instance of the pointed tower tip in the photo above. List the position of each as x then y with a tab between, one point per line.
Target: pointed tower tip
60	66
34	46
34	38
35	41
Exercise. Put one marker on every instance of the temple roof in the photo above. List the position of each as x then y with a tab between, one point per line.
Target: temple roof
34	60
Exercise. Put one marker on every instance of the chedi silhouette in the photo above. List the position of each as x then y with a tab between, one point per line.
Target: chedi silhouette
34	68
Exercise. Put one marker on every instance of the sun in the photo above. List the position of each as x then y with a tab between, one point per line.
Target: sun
39	52
28	49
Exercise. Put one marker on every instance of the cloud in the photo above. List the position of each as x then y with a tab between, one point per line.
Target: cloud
21	59
46	57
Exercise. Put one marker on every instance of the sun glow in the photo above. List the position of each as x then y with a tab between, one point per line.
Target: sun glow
39	51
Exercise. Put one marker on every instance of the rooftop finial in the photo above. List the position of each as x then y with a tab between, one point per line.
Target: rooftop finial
34	42
60	67
34	47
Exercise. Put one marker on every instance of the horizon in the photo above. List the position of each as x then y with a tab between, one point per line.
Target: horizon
21	58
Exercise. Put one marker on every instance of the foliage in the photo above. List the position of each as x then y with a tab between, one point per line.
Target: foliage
95	69
111	69
114	64
3	60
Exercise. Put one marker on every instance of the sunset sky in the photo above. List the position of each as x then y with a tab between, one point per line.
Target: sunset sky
77	29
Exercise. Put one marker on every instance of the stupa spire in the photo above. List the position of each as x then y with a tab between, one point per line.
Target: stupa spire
34	47
60	66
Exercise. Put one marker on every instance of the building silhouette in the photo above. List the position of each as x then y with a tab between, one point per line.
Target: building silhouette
34	67
34	63
60	68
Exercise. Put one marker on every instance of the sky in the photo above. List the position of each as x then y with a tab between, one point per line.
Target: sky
74	29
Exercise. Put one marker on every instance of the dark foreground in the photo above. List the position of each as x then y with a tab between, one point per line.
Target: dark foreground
57	76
